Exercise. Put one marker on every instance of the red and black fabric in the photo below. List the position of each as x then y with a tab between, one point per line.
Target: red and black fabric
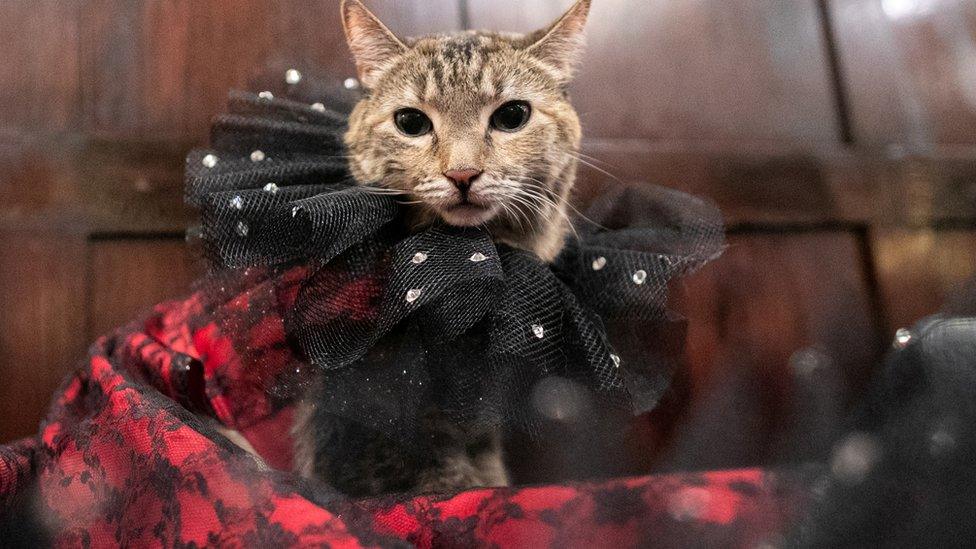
125	458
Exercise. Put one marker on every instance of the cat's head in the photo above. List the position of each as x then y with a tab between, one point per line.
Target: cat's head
474	128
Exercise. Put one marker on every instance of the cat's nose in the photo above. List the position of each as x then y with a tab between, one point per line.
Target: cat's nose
463	178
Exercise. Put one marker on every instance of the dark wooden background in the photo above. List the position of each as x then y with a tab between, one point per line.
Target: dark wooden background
838	137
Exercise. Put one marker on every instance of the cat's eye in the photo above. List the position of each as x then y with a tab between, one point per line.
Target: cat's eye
511	117
412	122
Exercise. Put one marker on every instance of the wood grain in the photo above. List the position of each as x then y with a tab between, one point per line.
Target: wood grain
94	185
781	334
39	70
919	270
129	276
781	184
163	69
42	299
712	70
909	70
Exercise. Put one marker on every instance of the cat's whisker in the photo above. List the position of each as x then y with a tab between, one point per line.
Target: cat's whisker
554	205
522	213
597	168
513	212
576	210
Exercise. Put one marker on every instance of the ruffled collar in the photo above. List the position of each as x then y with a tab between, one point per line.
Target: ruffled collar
399	321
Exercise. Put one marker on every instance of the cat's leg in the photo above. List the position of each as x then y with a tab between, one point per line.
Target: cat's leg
464	459
352	458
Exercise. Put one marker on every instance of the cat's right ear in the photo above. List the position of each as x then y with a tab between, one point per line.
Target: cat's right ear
373	46
561	45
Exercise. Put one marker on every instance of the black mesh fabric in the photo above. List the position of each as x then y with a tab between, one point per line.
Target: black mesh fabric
399	321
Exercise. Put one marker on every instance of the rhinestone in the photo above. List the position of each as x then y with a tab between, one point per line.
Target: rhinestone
413	294
292	76
477	257
419	257
209	161
350	83
271	188
266	95
599	263
539	331
318	107
640	277
902	338
242	228
615	359
237	202
257	155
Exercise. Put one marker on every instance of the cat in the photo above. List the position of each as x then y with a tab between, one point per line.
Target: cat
476	129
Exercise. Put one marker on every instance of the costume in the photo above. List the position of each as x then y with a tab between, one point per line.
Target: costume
316	277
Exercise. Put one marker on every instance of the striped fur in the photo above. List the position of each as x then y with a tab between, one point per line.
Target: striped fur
458	80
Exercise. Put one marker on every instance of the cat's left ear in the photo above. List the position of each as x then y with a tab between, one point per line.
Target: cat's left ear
561	45
373	46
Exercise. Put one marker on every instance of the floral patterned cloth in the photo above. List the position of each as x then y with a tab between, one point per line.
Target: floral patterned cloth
130	454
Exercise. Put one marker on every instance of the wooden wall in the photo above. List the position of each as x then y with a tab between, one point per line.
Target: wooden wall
837	136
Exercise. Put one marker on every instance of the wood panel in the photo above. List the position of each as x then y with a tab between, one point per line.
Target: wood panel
780	184
163	69
908	67
781	333
42	298
98	185
129	276
712	70
39	72
919	270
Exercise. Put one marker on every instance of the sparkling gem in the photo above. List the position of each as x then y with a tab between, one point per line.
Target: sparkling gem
350	83
599	263
615	359
271	188
639	276
266	95
237	202
242	228
257	155
539	331
209	161
477	257
318	107
419	257
902	338
292	76
413	294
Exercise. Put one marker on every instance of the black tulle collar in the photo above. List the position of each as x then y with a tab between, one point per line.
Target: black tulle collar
398	321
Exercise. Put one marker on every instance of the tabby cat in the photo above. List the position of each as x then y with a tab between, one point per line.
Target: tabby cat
473	129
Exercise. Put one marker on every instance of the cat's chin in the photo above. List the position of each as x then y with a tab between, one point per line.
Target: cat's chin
468	215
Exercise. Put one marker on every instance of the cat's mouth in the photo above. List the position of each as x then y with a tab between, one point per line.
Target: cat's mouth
466	213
